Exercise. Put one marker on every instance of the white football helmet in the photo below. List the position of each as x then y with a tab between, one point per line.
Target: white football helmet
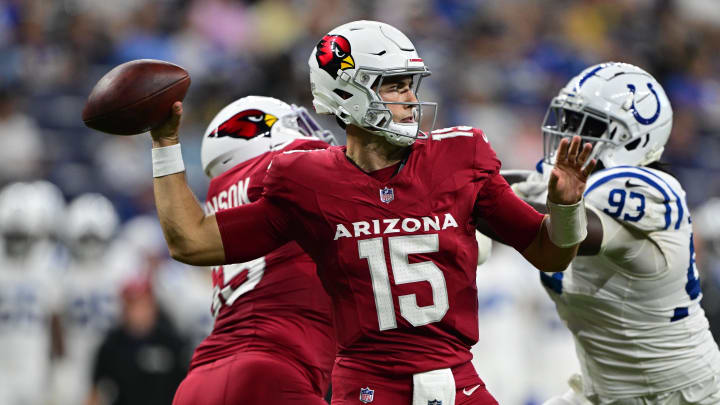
251	126
348	66
618	107
29	212
90	224
706	222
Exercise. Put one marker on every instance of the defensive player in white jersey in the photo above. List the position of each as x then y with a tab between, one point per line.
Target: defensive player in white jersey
89	304
631	298
29	214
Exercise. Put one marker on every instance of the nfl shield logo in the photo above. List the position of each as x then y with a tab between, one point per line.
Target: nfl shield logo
366	395
435	402
387	195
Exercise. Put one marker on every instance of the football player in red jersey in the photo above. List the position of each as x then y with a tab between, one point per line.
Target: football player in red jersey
389	219
273	340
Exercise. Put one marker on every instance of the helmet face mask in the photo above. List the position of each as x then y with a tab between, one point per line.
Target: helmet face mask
301	121
251	126
603	106
372	53
562	120
18	244
379	117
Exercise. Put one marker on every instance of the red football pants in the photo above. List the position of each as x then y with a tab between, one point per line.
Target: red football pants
253	378
347	383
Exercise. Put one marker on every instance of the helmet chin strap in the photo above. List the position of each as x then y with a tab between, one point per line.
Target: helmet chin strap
401	134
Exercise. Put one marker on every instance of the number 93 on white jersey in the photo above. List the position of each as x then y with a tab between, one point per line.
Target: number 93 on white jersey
634	307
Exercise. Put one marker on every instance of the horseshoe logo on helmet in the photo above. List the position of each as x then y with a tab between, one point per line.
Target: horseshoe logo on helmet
639	118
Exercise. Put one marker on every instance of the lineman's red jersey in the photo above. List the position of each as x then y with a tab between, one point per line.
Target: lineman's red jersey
397	257
274	303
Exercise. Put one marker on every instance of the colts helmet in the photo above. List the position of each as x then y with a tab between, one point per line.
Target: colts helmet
251	126
619	108
347	68
29	212
90	225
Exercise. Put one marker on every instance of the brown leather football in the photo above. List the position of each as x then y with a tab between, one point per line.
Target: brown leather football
135	97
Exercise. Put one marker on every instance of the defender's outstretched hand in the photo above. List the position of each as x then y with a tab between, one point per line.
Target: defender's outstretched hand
166	134
568	177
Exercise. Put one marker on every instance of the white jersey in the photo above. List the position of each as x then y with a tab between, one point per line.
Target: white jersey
634	307
182	291
28	297
89	307
524	353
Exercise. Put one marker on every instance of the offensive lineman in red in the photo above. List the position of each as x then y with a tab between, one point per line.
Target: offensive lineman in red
389	219
273	340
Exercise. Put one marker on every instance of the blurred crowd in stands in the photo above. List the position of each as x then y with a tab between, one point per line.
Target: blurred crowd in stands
496	65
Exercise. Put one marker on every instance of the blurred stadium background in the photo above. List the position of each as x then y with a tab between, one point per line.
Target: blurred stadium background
496	64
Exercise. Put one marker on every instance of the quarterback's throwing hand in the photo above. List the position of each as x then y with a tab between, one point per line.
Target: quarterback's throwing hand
568	177
166	134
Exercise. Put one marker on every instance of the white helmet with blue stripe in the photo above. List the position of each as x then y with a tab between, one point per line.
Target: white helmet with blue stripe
618	107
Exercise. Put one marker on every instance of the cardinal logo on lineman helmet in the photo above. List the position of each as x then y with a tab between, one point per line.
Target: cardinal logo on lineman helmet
333	54
246	124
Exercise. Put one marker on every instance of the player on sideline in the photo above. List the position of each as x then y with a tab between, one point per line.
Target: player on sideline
389	219
273	340
631	298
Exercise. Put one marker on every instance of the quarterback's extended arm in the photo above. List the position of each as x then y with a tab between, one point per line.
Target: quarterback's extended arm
193	237
553	242
566	225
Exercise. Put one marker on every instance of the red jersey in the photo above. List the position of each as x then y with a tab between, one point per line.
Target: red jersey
273	303
397	257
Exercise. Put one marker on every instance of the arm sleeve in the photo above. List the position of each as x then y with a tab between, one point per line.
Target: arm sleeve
631	250
253	230
512	219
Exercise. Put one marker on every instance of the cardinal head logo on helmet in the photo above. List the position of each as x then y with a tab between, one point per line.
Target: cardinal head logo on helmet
333	54
246	124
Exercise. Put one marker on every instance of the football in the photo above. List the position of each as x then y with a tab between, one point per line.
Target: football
135	97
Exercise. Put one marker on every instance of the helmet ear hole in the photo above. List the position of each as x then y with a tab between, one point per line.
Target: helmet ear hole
633	145
343	94
611	135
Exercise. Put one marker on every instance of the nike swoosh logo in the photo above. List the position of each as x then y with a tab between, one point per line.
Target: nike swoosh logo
471	390
630	185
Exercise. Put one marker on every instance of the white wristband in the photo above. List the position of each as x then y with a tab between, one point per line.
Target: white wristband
567	225
167	160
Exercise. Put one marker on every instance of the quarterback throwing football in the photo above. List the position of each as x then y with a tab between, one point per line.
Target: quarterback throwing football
389	219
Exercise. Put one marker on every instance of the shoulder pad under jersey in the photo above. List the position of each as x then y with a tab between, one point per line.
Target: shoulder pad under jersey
294	170
644	198
455	142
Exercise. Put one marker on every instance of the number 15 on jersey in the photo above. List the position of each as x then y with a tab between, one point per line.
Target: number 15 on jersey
404	272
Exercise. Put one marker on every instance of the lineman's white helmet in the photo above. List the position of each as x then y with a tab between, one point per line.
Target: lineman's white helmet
29	212
90	225
619	107
251	126
91	214
347	68
34	209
